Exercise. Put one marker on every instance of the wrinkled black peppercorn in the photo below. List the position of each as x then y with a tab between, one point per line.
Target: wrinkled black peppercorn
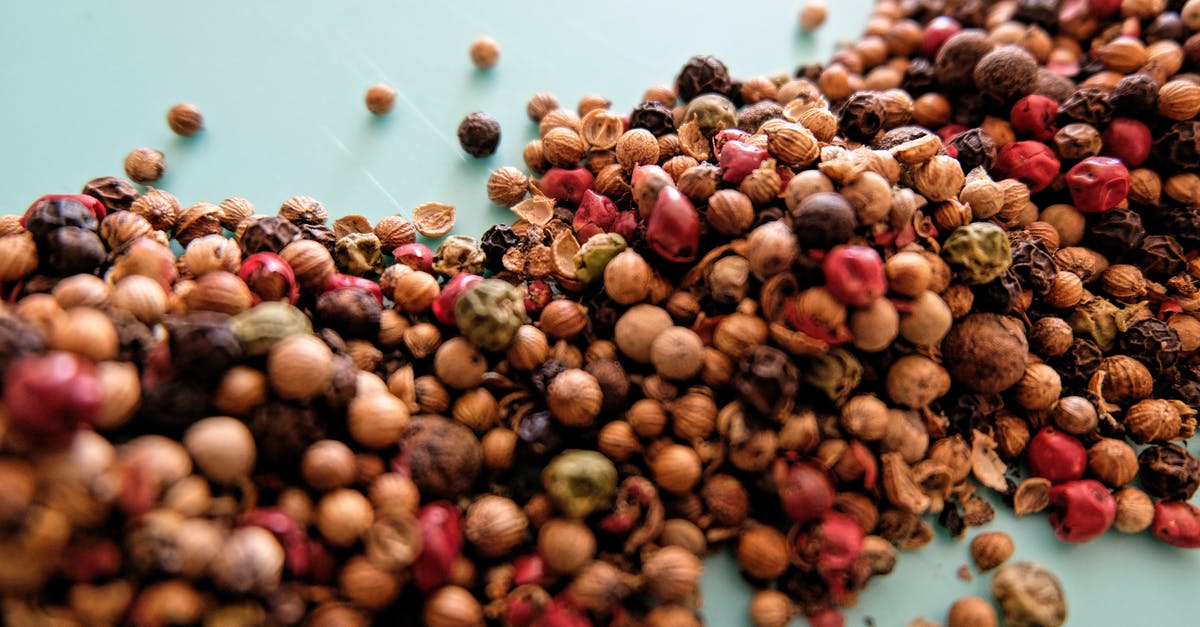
269	234
1077	365
1169	471
1160	255
1134	95
171	406
766	380
1179	146
17	338
653	116
203	345
752	117
1088	105
545	373
861	117
1042	13
353	313
281	432
1167	26
495	242
538	433
1116	232
320	234
479	134
1001	295
1033	266
919	77
115	193
1181	222
703	74
974	148
1152	342
900	135
71	250
823	221
48	215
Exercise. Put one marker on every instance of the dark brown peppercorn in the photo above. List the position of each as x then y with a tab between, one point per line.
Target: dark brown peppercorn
766	380
1006	73
703	74
823	221
1179	146
1152	342
1116	232
171	406
956	60
479	134
1077	365
919	77
282	431
17	338
1087	105
1043	13
653	116
319	233
71	250
1169	471
495	242
203	344
974	148
115	193
1167	26
861	117
353	313
614	383
442	456
752	117
1161	255
1033	266
269	235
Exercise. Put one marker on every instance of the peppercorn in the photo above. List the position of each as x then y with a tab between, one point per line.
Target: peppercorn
479	134
702	74
116	194
185	119
861	117
145	165
653	116
1006	73
1087	105
1169	471
823	220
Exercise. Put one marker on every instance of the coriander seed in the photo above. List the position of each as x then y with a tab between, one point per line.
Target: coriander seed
485	52
380	98
185	119
145	165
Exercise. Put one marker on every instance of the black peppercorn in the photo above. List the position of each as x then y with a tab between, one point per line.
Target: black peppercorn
134	338
1042	13
1116	232
545	373
203	344
282	431
17	338
1169	471
1134	95
115	193
956	59
901	135
319	233
1078	363
703	74
919	77
1182	222
970	12
1179	146
1167	26
1088	105
653	116
1160	255
752	117
495	243
170	407
766	380
1152	342
1033	266
823	220
269	234
810	71
613	380
538	434
49	214
72	250
343	386
353	313
479	134
974	148
861	117
1001	295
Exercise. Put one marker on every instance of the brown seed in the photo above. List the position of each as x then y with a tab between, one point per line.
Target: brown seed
433	219
762	552
185	119
145	165
971	611
991	549
485	52
565	545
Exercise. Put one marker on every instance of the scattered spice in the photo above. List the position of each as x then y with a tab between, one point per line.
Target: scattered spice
380	98
485	52
145	165
479	134
185	119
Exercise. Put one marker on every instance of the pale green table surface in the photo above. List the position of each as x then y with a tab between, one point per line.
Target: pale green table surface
280	83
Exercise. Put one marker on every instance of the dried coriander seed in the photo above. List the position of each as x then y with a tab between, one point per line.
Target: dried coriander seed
380	99
185	119
433	219
485	52
145	165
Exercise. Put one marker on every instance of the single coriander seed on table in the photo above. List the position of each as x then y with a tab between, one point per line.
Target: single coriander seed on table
380	99
813	14
145	165
485	52
185	119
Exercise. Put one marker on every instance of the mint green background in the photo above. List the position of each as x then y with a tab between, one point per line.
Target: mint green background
281	83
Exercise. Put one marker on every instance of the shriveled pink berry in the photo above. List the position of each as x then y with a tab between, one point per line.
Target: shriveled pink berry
1081	510
1098	184
805	489
673	230
443	305
1056	456
855	275
270	278
566	185
48	398
1177	523
738	160
596	214
441	532
1033	163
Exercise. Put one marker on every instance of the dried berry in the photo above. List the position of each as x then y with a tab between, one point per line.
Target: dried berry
479	134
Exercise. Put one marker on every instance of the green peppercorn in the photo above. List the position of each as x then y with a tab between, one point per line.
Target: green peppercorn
595	254
711	113
580	482
358	254
489	314
459	253
1098	319
979	252
258	329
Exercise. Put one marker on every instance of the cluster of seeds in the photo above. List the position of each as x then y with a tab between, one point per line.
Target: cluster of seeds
809	316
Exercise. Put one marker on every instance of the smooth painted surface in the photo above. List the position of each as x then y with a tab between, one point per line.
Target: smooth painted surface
281	83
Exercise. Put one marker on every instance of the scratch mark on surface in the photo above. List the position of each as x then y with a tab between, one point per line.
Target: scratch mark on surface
341	145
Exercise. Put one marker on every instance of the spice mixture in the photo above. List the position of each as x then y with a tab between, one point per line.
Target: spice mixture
807	316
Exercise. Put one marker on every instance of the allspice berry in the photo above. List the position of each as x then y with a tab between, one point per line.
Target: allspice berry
222	447
971	611
380	99
185	119
986	352
145	165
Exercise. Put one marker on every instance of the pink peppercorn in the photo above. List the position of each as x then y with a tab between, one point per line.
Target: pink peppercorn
1081	510
1177	523
48	398
537	295
826	617
270	278
346	281
1033	163
595	215
854	275
1098	184
441	531
949	132
416	256
529	569
1129	140
1035	115
936	33
1057	456
443	305
673	230
738	160
1101	9
805	490
626	224
566	185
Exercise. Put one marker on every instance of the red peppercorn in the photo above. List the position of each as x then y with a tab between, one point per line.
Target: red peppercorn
1081	510
443	305
270	278
1098	184
1032	163
673	230
626	224
1101	9
1129	140
50	397
854	275
595	215
805	490
1177	523
537	295
1035	115
738	160
1056	456
441	531
936	33
566	185
416	256
346	281
727	135
563	612
529	569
